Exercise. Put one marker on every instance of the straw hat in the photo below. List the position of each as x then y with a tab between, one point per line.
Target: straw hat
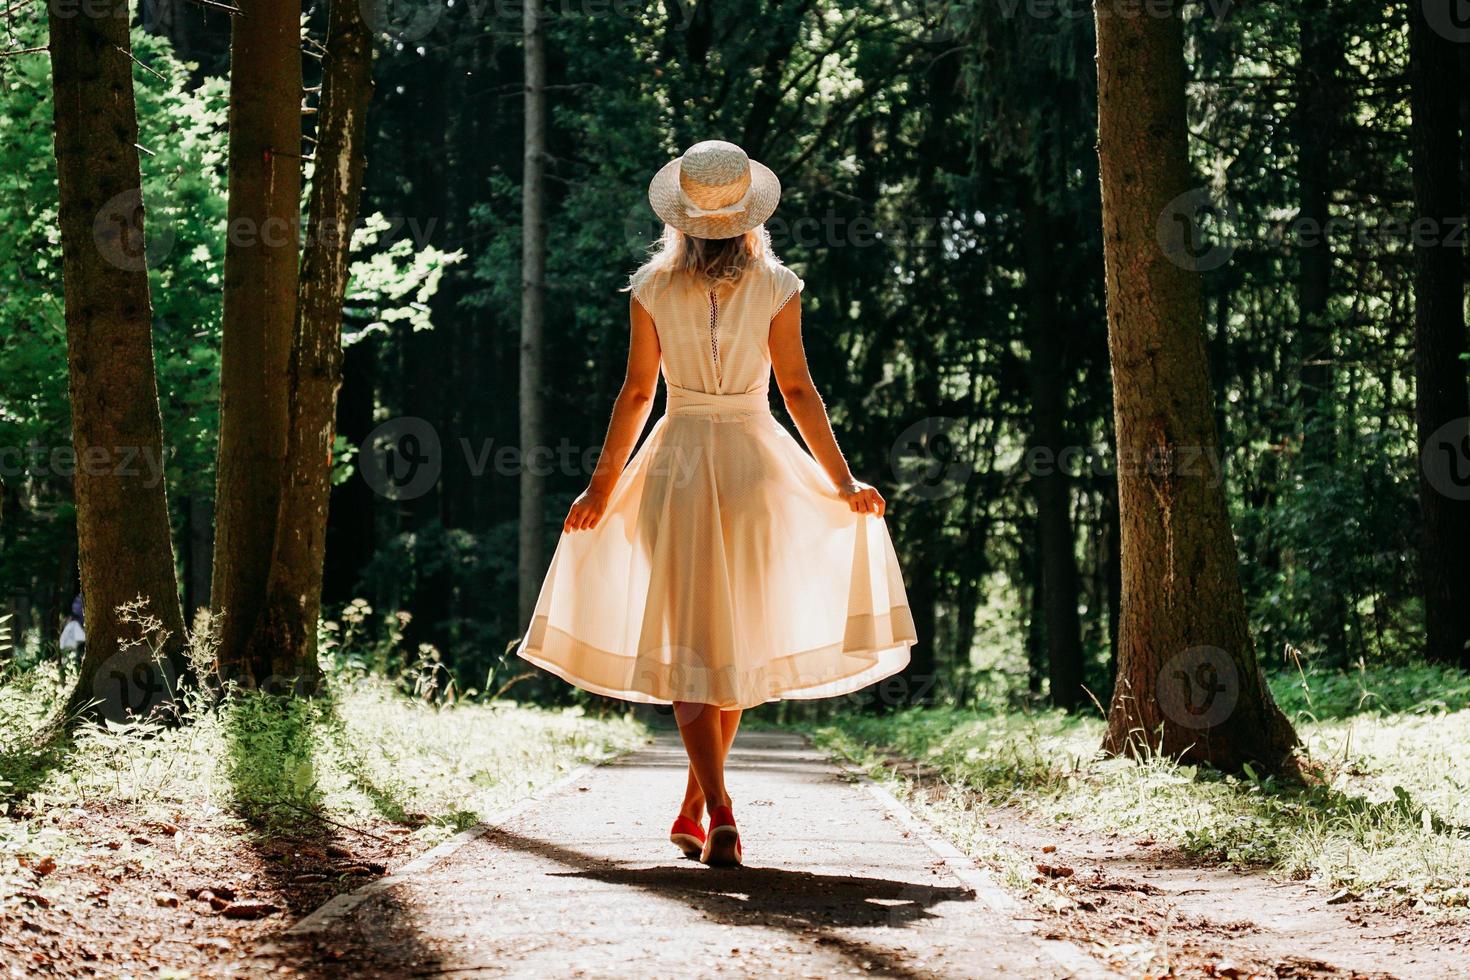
714	191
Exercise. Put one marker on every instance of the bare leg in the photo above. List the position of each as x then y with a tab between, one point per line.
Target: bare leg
703	730
693	805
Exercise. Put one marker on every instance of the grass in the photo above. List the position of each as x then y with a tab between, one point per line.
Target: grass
263	767
1391	821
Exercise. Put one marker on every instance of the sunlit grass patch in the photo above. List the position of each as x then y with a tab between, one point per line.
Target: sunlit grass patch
264	766
1390	822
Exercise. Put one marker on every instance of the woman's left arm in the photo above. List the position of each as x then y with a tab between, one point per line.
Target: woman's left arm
630	412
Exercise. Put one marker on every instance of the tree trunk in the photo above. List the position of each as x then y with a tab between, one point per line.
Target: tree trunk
285	636
351	527
1188	683
259	315
124	538
1113	575
1050	485
199	524
1318	95
1442	402
1035	624
533	288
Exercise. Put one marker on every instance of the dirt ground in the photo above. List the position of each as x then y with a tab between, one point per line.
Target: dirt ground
182	895
1147	910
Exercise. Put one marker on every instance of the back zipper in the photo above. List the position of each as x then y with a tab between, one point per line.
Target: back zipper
714	343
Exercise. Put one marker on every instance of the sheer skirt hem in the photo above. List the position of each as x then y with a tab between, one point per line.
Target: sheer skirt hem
874	647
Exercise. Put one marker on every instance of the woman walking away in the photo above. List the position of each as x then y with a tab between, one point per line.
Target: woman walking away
723	567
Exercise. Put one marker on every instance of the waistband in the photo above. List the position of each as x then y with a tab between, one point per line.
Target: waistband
688	401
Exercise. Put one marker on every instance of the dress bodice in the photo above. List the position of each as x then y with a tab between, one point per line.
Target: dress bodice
717	340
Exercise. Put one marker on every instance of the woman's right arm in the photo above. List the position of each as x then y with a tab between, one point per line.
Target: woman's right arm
794	378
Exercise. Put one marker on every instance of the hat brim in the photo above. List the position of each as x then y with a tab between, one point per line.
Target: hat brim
760	203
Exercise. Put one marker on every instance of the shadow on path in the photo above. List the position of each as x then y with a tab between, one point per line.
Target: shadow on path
799	902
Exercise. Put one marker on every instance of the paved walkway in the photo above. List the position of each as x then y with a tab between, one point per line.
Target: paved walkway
585	883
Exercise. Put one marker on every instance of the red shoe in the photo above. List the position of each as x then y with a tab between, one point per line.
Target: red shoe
722	847
688	836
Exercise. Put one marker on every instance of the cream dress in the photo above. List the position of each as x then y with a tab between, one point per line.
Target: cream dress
727	569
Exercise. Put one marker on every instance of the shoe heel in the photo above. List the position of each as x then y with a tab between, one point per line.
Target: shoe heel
723	848
688	836
688	843
722	845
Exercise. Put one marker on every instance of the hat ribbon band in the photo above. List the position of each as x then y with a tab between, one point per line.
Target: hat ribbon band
693	210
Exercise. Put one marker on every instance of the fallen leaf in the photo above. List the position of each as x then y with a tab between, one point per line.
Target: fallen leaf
1055	870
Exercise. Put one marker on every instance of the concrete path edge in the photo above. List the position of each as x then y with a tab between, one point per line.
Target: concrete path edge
1066	954
334	909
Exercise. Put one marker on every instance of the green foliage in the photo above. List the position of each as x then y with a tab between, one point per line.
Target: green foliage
184	156
272	747
1407	688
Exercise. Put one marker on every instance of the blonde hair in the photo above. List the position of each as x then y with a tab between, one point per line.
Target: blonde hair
708	261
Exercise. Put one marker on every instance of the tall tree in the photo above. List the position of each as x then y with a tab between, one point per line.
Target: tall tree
533	294
1188	681
285	636
1051	485
125	543
259	316
1442	406
1319	96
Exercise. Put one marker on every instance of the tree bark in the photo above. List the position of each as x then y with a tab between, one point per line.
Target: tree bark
124	539
1442	405
1189	684
199	522
532	564
351	527
1318	95
1317	83
259	315
285	636
1050	485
